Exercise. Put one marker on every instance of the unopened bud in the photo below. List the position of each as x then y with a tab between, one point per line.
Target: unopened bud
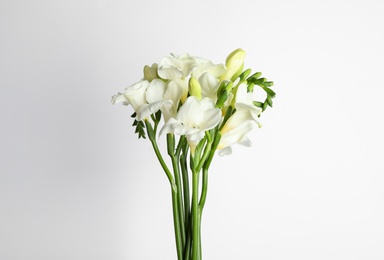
195	88
224	90
234	64
150	73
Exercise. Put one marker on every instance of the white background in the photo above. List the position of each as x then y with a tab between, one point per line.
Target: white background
75	183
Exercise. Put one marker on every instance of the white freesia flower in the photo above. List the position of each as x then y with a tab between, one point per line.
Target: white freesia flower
240	123
155	99
204	65
177	68
235	130
133	95
180	68
193	119
174	67
145	97
165	97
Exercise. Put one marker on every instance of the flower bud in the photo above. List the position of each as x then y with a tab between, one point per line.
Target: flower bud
223	93
150	73
234	64
195	88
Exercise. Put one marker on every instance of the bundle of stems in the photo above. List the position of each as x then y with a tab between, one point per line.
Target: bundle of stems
188	179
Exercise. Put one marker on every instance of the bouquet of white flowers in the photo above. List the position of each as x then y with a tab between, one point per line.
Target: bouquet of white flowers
204	107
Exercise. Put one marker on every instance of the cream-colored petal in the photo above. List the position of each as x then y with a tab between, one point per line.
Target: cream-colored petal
169	72
155	91
119	97
225	151
168	126
209	86
236	135
133	95
148	109
236	119
211	119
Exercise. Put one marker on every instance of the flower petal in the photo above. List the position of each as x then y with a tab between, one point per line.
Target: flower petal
225	151
209	86
148	109
236	135
211	119
155	91
133	95
169	72
119	97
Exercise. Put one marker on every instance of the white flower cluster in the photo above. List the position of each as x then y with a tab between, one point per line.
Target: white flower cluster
194	95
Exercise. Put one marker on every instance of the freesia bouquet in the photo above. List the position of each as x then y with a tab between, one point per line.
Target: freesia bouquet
201	107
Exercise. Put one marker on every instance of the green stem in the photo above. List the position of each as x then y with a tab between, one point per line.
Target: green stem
152	138
177	224
204	190
187	202
176	220
176	171
207	163
188	242
206	153
184	172
195	217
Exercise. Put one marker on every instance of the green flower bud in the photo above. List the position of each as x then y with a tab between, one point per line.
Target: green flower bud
221	89
223	93
150	73
221	100
251	86
195	88
245	74
229	87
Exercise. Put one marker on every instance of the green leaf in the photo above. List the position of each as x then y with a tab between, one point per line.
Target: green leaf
269	101
139	129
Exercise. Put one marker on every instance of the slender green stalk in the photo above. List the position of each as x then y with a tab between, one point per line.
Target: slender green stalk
206	153
152	138
195	216
204	189
177	225
206	165
176	171
187	248
187	202
184	172
176	220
